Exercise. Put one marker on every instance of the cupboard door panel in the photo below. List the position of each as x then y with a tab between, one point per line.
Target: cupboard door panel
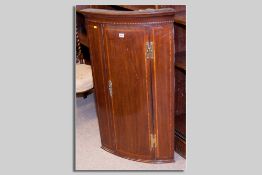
129	72
100	86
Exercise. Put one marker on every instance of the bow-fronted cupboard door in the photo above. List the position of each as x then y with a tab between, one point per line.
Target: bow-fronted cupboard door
129	79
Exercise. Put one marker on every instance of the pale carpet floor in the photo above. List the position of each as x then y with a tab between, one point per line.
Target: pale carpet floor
89	155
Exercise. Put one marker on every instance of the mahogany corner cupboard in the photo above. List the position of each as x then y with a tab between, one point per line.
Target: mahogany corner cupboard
132	57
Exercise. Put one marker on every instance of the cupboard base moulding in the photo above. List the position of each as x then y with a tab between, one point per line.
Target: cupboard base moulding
138	160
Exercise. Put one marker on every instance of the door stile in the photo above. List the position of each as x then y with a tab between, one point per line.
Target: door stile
150	60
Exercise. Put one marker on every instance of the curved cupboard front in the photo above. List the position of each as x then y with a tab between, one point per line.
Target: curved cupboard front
132	56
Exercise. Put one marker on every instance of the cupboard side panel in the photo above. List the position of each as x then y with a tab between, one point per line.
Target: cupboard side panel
100	85
163	90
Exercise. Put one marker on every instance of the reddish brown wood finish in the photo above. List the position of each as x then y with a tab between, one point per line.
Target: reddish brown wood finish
142	100
100	86
127	56
163	92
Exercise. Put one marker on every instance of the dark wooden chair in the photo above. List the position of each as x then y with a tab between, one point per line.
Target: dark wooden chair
84	78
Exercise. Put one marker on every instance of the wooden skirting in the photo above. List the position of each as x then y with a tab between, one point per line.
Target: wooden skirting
180	145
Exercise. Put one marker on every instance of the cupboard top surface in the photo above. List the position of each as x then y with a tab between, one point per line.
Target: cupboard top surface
141	13
130	17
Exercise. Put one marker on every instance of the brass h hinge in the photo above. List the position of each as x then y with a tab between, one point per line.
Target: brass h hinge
152	141
149	50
